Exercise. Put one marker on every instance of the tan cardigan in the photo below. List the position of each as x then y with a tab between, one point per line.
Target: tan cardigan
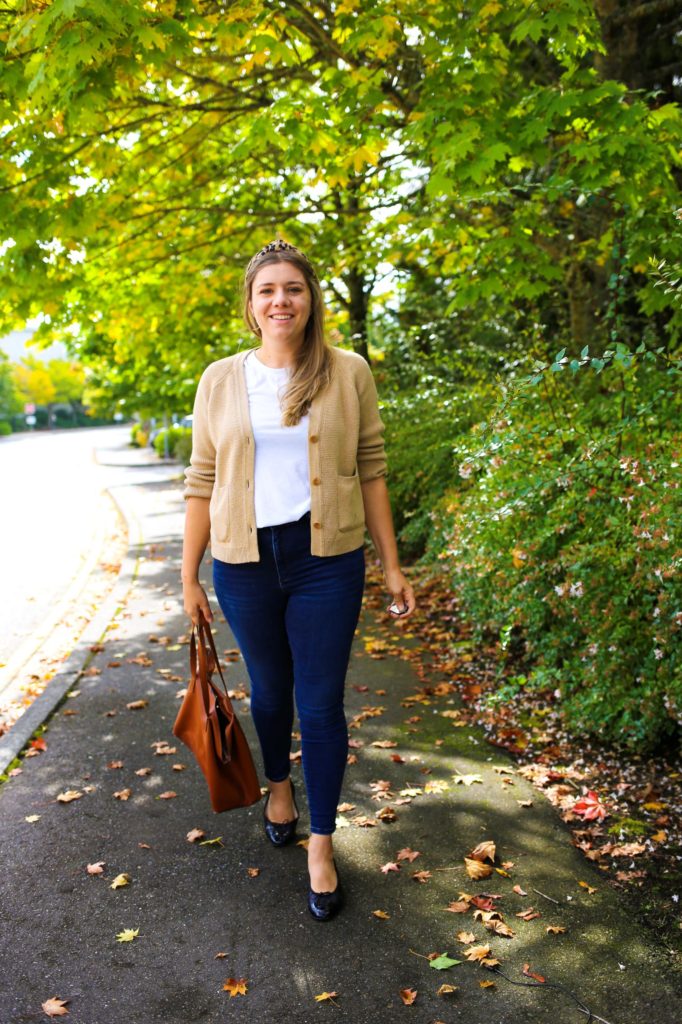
345	447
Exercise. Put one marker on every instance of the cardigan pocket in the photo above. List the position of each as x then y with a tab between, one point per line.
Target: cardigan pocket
350	506
219	513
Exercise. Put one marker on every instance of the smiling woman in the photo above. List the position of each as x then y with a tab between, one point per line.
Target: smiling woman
287	469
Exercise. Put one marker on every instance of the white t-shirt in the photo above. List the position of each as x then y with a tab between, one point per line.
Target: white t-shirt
282	478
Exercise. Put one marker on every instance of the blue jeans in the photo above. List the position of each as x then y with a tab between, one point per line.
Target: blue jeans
293	616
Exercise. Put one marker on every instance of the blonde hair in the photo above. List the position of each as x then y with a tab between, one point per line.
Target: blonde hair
312	370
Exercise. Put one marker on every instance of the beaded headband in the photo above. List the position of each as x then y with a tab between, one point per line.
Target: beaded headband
279	245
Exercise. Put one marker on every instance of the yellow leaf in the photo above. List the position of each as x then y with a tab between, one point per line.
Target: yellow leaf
128	934
236	986
477	870
68	795
326	997
484	851
120	881
381	914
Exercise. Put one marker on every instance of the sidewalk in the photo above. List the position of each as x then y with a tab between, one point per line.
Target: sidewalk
204	918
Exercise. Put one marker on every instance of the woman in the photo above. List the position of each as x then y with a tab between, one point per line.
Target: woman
287	469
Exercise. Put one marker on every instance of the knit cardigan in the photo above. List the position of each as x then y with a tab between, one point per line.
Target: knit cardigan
345	448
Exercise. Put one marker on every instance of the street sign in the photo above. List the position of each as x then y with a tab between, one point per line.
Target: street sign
30	407
31	420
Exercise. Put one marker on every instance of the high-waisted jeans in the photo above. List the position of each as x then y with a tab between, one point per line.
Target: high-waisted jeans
293	615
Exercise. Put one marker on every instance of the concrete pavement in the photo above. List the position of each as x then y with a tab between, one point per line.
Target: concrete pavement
203	917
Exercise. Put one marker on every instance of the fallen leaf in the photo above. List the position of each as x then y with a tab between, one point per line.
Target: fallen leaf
95	869
519	891
487	984
590	807
168	795
128	934
218	841
386	814
120	881
421	876
55	1007
123	794
466	937
343	808
628	850
442	962
383	744
236	986
135	705
446	990
68	796
529	914
484	851
408	995
381	914
458	907
477	870
407	854
476	952
326	997
529	974
253	872
590	888
467	780
555	929
194	834
31	818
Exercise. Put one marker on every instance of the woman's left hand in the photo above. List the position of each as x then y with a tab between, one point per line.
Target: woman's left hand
404	601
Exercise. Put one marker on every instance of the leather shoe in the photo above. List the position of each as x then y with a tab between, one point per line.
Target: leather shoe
281	832
324	905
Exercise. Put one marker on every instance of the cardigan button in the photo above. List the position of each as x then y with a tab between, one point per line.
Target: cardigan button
318	526
316	480
314	438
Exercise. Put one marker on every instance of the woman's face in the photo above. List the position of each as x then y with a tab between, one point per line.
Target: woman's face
280	302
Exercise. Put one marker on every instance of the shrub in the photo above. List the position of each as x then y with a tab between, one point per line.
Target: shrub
5	428
175	434
566	525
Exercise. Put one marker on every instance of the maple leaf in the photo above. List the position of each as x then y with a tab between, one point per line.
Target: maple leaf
55	1007
123	794
343	808
408	995
467	780
386	814
407	854
68	796
390	866
466	937
589	807
421	876
484	851
555	929
477	870
446	990
128	934
236	986
487	984
458	906
120	881
95	869
476	952
500	928
628	850
194	834
32	817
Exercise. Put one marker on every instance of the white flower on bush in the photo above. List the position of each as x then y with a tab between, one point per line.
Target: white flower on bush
576	589
658	653
465	470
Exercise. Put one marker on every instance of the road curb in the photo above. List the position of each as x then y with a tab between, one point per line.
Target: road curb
14	741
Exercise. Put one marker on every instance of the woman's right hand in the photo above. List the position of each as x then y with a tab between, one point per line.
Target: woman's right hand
194	598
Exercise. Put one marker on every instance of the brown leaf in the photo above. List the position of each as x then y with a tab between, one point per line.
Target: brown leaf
476	952
96	869
446	990
381	914
487	984
135	705
529	914
500	928
390	866
343	808
529	974
407	854
115	764
253	872
466	937
628	850
55	1007
143	771
68	796
458	906
421	876
167	795
519	891
123	794
408	995
386	814
484	851
383	744
555	929
477	870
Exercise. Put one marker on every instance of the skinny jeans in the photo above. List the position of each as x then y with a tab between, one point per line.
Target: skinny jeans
293	615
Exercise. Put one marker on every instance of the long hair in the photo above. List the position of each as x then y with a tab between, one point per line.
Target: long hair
313	367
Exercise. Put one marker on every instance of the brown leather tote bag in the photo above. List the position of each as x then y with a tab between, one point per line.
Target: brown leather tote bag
207	724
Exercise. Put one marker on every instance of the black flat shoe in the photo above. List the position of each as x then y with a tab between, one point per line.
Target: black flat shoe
324	905
281	832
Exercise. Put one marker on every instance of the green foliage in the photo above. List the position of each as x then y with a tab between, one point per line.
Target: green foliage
5	428
174	436
567	525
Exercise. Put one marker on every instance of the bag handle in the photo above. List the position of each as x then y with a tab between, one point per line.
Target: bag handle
204	634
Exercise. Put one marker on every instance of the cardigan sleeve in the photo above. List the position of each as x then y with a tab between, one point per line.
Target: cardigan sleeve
200	473
371	454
